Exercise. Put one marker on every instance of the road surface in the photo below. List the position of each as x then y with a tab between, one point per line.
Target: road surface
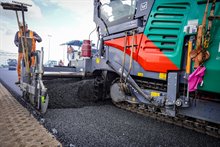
106	125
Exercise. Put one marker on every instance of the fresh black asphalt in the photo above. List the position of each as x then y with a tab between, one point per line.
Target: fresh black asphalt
102	124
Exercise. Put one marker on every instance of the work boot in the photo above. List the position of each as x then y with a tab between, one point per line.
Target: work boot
18	82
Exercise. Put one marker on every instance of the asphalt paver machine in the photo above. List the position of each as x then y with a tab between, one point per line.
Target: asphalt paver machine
159	58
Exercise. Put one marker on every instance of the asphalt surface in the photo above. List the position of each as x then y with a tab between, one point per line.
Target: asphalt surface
71	93
106	125
10	77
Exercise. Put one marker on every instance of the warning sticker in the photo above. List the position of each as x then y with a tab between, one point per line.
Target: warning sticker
163	76
98	60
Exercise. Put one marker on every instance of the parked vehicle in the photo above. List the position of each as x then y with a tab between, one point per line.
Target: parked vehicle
51	63
12	64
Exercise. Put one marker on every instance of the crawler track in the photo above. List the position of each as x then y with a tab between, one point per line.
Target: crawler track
183	121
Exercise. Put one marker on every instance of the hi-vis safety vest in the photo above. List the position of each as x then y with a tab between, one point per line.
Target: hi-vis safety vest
31	43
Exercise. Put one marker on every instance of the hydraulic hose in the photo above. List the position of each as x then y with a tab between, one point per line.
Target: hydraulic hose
123	62
131	55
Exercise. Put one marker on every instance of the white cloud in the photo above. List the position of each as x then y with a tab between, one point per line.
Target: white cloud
6	27
80	8
9	32
8	23
81	11
34	12
7	42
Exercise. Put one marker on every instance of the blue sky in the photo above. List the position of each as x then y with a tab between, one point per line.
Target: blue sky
64	20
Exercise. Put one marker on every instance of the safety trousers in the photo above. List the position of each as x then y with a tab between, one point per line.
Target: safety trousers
20	58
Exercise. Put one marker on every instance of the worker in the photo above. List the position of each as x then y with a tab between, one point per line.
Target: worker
61	63
70	53
32	37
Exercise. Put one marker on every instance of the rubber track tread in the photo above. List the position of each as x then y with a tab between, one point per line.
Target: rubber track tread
196	125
